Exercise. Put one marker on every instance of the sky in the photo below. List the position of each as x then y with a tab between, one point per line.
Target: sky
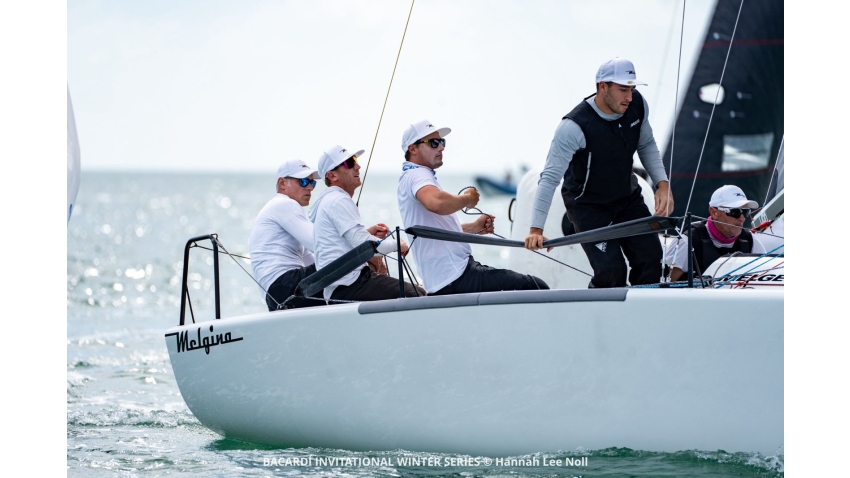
245	86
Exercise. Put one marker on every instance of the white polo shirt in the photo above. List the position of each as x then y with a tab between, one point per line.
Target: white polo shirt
282	240
333	214
439	262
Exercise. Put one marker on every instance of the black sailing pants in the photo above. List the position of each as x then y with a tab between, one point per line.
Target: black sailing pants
606	258
372	286
284	286
480	278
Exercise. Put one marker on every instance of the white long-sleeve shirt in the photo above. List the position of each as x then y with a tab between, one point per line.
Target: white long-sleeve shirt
282	240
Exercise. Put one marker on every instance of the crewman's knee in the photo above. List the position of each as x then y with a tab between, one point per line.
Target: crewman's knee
611	276
537	283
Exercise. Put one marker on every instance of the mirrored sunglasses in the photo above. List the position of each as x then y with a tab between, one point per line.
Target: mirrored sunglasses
433	142
304	182
735	212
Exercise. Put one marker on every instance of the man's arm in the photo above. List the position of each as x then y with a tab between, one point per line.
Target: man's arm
443	203
293	220
676	257
567	140
358	235
650	157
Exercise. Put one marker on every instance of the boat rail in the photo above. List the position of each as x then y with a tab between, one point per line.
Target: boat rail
184	295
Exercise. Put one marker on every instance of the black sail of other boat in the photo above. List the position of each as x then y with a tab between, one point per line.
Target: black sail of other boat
746	126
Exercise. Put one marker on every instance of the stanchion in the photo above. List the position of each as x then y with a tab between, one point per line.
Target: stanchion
690	251
400	264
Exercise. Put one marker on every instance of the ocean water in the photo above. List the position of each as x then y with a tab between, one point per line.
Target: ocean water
124	410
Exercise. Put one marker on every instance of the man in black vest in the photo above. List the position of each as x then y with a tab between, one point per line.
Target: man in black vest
593	150
723	233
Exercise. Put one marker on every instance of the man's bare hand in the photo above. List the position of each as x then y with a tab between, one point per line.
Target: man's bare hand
663	199
472	196
534	240
376	263
485	224
379	230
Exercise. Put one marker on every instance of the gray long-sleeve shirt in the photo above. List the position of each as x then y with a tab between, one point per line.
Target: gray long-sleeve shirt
568	139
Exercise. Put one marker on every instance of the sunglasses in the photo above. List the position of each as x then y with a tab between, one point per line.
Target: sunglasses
348	163
735	212
433	142
304	182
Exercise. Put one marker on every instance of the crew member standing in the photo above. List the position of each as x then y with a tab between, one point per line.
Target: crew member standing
593	150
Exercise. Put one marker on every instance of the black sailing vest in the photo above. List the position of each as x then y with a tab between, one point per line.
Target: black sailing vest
706	252
601	172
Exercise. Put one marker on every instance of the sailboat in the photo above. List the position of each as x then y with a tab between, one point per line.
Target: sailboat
494	187
498	373
73	158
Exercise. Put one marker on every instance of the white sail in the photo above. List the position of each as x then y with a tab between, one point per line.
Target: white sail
73	158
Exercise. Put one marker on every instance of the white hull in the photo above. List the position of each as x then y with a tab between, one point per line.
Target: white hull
508	373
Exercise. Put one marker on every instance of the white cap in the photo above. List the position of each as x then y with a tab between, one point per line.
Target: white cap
333	157
419	130
296	169
618	70
731	196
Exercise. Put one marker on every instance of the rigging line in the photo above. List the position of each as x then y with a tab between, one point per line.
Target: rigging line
480	212
730	273
666	278
229	254
369	160
326	301
191	310
714	106
404	264
403	261
760	274
246	272
675	107
775	164
664	58
410	275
